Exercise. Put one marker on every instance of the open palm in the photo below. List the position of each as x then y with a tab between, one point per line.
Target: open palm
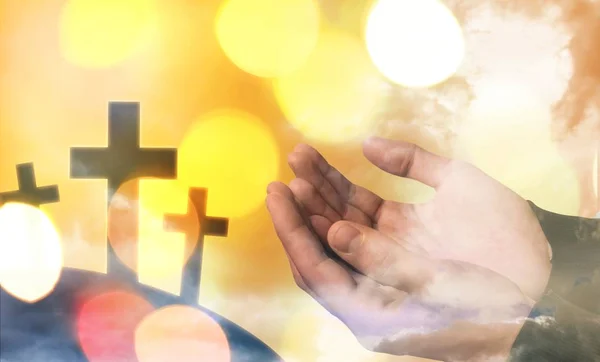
472	218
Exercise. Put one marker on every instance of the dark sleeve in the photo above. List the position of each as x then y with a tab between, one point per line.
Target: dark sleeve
570	334
575	246
565	325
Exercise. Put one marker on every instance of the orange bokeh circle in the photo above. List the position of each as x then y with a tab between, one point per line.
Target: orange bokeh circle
181	333
149	203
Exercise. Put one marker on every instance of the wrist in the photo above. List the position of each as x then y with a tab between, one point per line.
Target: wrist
499	345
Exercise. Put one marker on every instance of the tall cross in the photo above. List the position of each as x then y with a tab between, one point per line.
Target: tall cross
29	192
214	226
122	160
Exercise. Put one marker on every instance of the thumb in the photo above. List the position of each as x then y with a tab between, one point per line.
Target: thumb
379	257
406	160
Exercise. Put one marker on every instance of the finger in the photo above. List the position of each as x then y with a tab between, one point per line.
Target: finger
299	281
314	203
279	188
357	203
406	160
296	274
326	278
320	225
312	200
304	167
297	277
317	224
379	257
283	189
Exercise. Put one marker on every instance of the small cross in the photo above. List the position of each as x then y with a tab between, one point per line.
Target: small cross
29	192
122	160
214	226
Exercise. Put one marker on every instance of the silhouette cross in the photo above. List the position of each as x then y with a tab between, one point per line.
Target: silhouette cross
122	160
29	192
214	226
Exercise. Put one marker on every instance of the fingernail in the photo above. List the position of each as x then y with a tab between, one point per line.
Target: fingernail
346	239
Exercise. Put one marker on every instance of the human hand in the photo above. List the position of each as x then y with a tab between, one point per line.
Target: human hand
472	217
396	301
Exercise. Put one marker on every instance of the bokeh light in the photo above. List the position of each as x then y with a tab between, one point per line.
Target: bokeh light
31	258
137	230
232	154
180	333
335	94
415	43
106	325
101	33
511	141
268	38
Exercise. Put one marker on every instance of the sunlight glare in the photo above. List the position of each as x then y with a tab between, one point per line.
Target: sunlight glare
414	43
31	257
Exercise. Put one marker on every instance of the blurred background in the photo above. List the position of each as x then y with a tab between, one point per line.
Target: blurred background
510	85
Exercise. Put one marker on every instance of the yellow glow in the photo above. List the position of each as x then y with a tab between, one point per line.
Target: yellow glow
268	38
234	156
507	135
333	96
147	246
313	334
30	252
162	253
415	43
180	333
101	33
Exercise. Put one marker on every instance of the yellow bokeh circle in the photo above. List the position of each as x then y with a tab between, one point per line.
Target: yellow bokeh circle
31	257
101	33
415	43
335	94
234	155
268	38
